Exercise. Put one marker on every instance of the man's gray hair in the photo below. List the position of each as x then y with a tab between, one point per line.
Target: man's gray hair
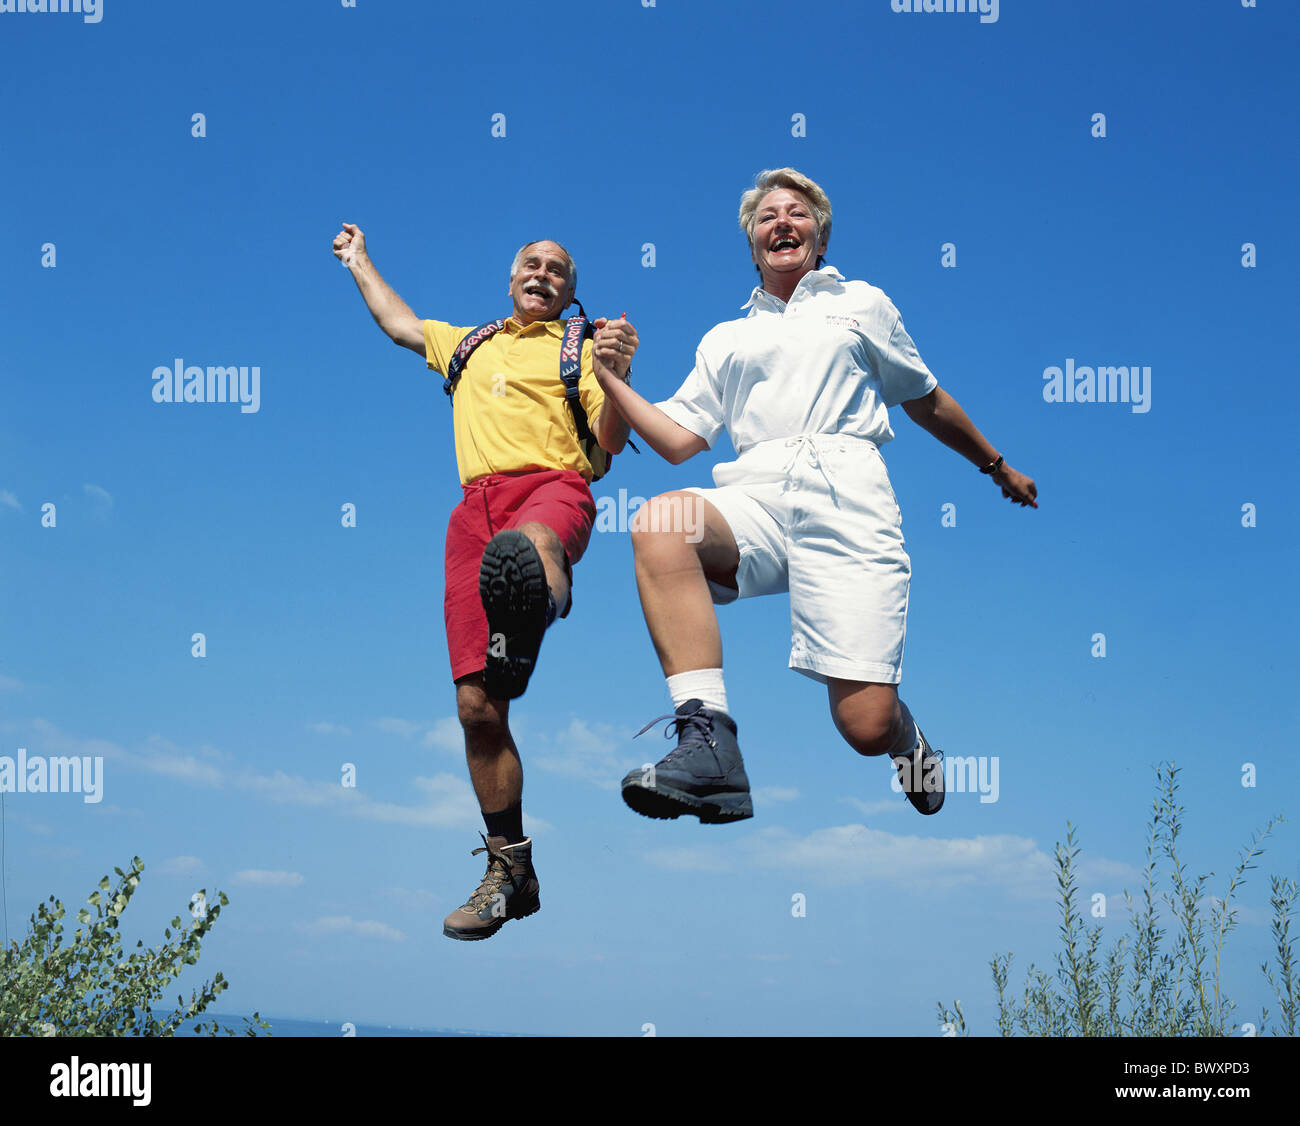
523	250
772	179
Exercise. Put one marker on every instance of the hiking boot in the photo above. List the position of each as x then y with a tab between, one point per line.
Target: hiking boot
704	776
509	891
512	585
921	773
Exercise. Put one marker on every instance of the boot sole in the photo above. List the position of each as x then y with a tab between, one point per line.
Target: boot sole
492	928
664	804
512	588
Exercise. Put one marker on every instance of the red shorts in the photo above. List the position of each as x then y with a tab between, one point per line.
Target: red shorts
558	498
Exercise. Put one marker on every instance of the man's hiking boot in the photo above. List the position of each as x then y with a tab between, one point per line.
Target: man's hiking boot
509	891
921	775
704	776
512	585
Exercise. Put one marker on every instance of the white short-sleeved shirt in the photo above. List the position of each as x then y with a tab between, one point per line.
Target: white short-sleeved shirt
831	361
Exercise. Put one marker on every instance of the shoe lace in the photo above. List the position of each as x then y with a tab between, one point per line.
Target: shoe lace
693	729
498	872
931	757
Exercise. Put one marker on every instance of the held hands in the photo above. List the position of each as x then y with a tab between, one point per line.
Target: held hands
612	347
1016	487
350	245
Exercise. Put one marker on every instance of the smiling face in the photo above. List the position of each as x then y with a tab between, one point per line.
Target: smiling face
786	244
541	285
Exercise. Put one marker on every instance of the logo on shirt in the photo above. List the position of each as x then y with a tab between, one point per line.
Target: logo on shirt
846	322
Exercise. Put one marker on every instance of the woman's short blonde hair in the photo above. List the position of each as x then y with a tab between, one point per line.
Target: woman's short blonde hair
772	179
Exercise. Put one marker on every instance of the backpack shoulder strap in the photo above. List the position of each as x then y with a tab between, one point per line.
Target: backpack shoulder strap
461	356
576	330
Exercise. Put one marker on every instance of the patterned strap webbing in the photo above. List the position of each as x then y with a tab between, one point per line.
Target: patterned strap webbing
461	355
575	331
571	370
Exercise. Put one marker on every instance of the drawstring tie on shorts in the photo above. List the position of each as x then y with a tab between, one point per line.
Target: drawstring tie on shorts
801	443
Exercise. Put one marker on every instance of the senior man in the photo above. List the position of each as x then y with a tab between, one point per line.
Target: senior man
802	385
525	519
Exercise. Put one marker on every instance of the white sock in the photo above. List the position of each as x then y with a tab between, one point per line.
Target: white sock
906	742
704	685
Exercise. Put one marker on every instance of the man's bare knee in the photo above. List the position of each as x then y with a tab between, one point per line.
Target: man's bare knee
544	539
478	713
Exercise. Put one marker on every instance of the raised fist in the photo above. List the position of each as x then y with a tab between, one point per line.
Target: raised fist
349	244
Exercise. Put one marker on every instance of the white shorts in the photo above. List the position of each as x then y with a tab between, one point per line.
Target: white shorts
817	516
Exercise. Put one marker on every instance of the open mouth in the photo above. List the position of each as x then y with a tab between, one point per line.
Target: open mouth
539	289
785	242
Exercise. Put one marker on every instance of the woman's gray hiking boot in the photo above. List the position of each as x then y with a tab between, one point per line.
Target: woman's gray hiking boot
512	587
509	890
704	776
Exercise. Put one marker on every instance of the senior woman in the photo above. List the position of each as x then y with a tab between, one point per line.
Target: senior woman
802	385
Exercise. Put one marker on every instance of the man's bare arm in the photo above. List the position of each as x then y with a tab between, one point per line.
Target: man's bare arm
611	428
671	441
391	313
941	415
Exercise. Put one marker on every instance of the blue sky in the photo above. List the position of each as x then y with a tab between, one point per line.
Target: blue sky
627	125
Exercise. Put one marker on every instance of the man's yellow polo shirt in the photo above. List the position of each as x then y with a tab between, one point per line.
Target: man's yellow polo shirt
508	412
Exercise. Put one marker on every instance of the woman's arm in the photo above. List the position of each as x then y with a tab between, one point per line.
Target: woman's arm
941	415
670	440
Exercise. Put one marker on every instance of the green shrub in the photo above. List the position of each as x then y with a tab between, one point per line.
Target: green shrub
1162	979
88	987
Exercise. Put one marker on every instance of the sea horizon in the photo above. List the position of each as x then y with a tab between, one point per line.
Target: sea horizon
297	1027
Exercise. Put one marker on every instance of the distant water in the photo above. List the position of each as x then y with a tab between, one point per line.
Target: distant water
284	1027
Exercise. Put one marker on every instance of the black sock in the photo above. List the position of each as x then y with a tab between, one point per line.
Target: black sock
508	823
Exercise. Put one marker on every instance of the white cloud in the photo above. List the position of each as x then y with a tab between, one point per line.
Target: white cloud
10	684
403	728
856	854
266	878
324	728
534	825
8	500
180	866
584	751
871	808
156	756
450	802
770	795
101	496
447	800
415	898
680	859
361	928
446	735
